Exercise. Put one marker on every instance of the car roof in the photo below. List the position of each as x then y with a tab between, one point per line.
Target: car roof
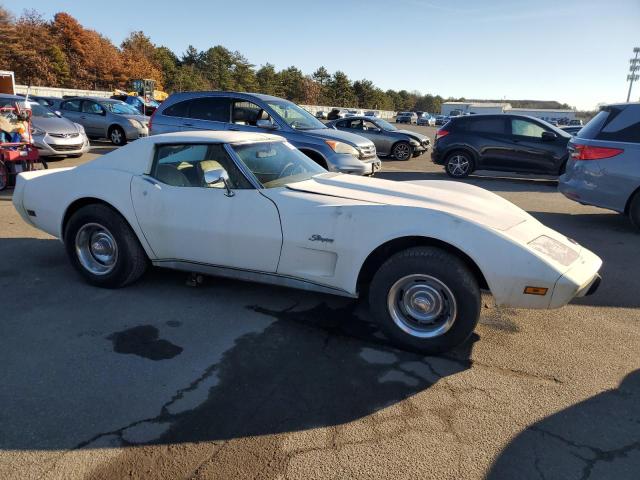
215	93
95	99
11	97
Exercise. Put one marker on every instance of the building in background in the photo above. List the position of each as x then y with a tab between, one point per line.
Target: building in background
477	108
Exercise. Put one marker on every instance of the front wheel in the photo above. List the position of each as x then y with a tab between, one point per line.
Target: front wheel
103	248
459	165
117	136
425	299
402	151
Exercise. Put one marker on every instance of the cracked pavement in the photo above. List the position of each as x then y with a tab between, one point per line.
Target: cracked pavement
233	380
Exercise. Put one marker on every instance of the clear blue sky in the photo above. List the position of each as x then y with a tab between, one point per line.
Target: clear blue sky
573	51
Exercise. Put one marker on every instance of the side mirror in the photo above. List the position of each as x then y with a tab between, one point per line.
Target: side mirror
58	113
219	175
549	136
266	124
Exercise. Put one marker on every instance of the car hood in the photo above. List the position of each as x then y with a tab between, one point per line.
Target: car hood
458	199
333	134
54	125
417	136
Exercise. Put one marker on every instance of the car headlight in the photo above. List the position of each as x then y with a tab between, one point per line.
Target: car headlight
79	127
135	123
554	249
340	147
37	131
414	143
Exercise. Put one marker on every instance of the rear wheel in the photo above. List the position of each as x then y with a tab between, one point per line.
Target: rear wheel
425	299
634	210
459	165
103	248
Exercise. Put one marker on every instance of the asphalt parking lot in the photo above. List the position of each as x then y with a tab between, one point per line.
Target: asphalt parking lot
162	380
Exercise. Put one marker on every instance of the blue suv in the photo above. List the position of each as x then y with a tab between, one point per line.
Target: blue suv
335	150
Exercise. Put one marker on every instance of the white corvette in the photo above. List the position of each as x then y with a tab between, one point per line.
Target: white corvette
251	206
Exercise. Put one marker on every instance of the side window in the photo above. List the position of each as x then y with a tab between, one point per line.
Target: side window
370	125
623	125
247	113
71	105
526	128
342	124
184	165
180	109
213	109
355	125
487	125
91	107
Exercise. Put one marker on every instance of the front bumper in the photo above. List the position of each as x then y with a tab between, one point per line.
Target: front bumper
344	163
580	280
49	146
133	133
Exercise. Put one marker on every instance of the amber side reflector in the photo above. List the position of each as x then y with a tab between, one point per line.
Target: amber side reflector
535	290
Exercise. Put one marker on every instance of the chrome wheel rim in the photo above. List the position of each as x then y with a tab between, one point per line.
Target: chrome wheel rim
402	151
422	306
116	136
458	165
96	249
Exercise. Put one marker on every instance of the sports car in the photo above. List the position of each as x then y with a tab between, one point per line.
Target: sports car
252	207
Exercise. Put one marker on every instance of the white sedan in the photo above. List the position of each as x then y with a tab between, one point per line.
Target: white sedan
251	206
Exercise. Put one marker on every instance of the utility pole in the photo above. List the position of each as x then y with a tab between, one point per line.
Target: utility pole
635	66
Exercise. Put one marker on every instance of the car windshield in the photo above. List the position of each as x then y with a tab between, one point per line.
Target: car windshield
120	108
295	116
276	164
385	125
38	110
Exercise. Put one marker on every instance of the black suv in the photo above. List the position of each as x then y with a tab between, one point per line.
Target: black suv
512	143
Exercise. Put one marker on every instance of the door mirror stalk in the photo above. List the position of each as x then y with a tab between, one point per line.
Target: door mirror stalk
219	175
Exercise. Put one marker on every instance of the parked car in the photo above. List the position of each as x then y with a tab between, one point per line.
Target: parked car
143	107
423	271
441	119
44	101
321	115
52	135
426	119
336	113
575	121
503	142
604	165
334	150
372	113
106	118
353	113
571	130
406	117
389	141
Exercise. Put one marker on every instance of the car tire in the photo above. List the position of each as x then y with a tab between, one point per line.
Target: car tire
117	136
459	164
103	248
445	300
634	210
402	151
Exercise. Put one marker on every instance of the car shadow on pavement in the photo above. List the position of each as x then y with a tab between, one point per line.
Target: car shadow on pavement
159	362
612	237
596	438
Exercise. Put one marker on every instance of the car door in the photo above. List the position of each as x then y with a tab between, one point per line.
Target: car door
487	135
378	136
186	220
207	113
71	109
92	116
532	152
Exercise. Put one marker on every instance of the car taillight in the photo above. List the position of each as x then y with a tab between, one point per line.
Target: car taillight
441	133
589	152
151	119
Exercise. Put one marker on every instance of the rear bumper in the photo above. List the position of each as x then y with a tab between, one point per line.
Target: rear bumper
436	156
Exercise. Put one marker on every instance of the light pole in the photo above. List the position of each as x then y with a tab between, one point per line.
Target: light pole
633	68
